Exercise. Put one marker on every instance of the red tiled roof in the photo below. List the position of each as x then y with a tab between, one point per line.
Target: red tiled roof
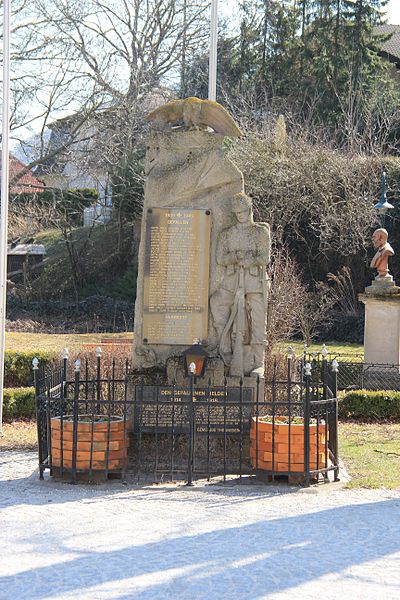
28	183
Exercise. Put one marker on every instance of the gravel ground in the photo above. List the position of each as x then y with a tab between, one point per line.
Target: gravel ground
208	542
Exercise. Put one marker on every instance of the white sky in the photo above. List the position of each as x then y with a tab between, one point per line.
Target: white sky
393	12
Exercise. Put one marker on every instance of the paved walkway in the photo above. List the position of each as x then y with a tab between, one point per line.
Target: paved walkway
209	542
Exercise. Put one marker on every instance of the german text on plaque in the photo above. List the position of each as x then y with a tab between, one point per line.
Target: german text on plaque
176	271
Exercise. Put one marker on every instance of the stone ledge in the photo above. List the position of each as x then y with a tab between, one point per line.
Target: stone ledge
392	295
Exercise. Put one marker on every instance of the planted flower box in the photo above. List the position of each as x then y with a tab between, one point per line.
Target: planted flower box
101	443
279	446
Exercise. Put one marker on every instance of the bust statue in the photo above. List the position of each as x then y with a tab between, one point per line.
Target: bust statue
383	251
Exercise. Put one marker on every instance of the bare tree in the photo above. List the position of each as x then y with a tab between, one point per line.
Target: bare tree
125	49
98	61
286	297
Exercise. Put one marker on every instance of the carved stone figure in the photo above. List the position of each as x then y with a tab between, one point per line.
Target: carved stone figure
196	114
238	307
383	251
147	356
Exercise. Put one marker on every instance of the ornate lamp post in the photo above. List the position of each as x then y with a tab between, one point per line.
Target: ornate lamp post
195	359
382	206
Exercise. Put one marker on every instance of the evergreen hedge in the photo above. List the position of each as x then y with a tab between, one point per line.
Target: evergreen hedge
370	405
18	366
19	403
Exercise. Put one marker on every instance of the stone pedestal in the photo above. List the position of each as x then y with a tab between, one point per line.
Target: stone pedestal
382	323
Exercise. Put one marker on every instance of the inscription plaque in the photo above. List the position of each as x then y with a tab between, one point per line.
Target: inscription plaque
176	272
162	409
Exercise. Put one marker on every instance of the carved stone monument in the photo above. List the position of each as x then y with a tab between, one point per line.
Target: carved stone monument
202	258
382	309
239	305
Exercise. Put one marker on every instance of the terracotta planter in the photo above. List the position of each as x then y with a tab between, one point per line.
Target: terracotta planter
92	450
278	436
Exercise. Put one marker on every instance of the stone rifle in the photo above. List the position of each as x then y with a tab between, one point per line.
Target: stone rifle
237	317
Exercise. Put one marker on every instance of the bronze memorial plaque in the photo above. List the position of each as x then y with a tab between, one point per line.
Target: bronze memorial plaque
176	270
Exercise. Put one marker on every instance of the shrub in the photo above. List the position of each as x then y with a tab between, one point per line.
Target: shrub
19	403
18	366
370	405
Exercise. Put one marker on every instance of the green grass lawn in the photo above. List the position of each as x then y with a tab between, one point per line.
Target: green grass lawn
73	341
333	347
371	453
56	342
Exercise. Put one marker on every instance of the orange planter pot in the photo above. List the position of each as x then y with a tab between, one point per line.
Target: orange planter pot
93	451
274	449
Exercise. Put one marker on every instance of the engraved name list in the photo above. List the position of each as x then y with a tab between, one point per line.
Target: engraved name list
176	272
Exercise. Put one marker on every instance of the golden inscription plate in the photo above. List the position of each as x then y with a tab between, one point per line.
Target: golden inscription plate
176	271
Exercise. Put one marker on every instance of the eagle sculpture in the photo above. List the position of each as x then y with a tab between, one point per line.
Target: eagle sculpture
196	114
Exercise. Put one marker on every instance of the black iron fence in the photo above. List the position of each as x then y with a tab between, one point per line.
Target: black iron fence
354	373
91	426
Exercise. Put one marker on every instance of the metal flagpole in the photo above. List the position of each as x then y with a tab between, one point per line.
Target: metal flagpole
5	177
212	64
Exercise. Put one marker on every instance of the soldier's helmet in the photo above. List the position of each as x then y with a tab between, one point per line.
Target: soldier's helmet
241	201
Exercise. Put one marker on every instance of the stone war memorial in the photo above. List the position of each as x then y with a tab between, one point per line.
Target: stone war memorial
194	400
202	259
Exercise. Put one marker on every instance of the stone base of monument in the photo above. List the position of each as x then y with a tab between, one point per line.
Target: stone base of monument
382	325
382	286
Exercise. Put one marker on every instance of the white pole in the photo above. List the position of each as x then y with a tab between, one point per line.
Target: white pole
5	177
212	64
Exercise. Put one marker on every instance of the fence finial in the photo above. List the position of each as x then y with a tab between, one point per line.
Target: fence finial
335	365
290	352
98	352
324	351
77	365
66	353
307	369
35	363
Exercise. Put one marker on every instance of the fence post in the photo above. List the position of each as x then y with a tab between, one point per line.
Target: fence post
334	430
290	356
324	354
307	416
63	397
98	377
192	371
35	367
77	366
65	369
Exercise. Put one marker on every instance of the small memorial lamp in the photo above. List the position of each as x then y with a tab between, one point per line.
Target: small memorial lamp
382	206
195	355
